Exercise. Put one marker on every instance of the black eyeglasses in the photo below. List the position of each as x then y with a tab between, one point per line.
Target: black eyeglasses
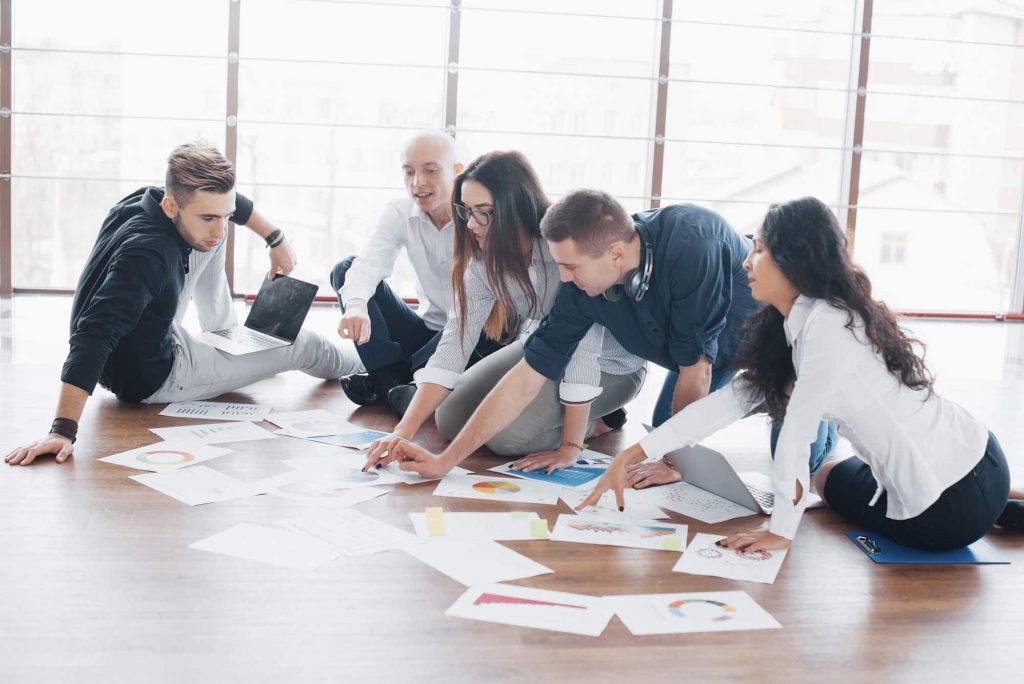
483	218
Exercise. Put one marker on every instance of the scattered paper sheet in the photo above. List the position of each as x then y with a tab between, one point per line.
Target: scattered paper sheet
308	481
640	506
217	410
702	557
525	607
434	522
475	561
411	478
585	530
588	457
197	485
322	462
359	439
271	545
354	533
694	502
216	433
328	498
496	489
315	423
165	456
573	477
713	611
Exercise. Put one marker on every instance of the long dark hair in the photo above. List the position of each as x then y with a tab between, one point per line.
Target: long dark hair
807	244
519	205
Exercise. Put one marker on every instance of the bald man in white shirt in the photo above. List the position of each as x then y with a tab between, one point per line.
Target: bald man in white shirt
391	338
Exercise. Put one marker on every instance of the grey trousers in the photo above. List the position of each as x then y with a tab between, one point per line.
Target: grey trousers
201	371
539	426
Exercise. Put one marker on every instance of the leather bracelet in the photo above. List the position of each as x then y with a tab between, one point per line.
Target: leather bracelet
65	427
572	444
279	241
272	239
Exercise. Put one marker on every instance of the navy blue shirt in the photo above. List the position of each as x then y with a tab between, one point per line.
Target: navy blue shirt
127	297
697	303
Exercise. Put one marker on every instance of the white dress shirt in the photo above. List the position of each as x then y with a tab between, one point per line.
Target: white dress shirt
207	285
917	444
598	352
403	224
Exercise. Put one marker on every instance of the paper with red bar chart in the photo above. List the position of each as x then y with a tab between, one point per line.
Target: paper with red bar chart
525	607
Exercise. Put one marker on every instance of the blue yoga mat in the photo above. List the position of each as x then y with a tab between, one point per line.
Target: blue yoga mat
884	550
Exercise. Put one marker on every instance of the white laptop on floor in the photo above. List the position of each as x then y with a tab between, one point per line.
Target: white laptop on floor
709	470
274	321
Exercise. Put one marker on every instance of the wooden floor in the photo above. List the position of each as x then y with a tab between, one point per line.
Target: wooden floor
98	583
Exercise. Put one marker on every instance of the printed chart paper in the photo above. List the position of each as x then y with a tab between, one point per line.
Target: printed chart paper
525	607
196	485
586	530
496	489
694	502
411	478
216	433
315	423
702	557
165	456
573	477
640	506
588	457
354	533
714	611
339	477
272	545
475	561
328	498
357	439
217	410
434	523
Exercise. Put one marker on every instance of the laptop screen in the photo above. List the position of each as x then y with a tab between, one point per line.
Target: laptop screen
281	306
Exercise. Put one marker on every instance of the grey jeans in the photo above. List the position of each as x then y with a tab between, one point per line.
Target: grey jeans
539	426
201	371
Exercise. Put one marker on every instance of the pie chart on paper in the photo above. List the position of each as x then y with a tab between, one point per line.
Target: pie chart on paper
491	487
158	457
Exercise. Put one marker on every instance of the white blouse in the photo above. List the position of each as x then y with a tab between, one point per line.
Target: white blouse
597	353
917	444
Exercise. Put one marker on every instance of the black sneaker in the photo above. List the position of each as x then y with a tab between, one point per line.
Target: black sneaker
615	419
399	398
360	389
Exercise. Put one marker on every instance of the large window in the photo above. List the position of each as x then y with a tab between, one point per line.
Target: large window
759	103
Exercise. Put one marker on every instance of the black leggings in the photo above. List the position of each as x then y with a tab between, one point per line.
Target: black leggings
963	513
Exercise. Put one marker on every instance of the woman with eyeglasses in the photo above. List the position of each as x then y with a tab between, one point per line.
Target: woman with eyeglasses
928	474
504	281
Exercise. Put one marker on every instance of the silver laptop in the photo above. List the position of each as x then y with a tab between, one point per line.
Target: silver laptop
274	320
710	470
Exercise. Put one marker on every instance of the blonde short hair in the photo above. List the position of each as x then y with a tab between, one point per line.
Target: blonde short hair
197	166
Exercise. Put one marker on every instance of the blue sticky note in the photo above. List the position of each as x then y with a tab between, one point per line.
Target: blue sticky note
885	551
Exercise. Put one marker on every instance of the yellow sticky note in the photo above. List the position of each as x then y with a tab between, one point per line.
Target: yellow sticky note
672	543
435	521
520	515
539	529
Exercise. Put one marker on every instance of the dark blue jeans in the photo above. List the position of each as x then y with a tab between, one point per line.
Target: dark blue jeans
820	449
397	333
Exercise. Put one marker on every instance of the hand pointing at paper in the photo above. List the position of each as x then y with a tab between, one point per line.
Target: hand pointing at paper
615	478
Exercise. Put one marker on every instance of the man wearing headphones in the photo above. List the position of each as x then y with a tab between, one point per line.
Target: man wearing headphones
668	284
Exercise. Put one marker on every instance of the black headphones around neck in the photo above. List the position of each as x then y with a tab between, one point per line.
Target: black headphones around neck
638	280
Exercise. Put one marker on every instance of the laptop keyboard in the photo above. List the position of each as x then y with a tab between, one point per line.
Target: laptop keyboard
248	337
766	499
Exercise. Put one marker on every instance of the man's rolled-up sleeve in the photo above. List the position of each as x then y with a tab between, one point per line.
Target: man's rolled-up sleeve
701	294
